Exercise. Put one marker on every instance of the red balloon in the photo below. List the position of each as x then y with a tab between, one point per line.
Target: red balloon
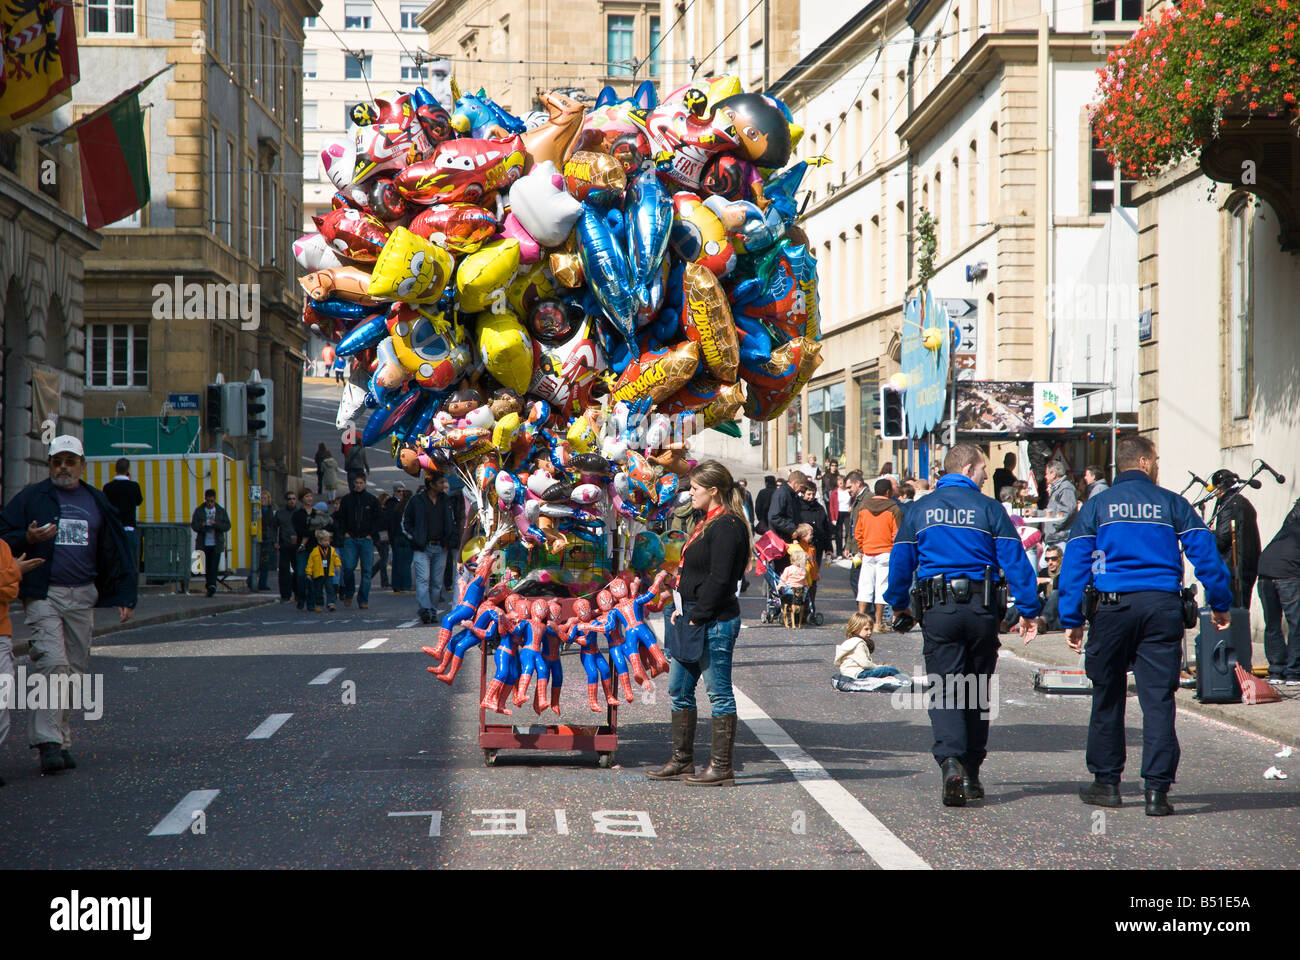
327	354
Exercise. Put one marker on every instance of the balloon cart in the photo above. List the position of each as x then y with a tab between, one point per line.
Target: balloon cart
601	739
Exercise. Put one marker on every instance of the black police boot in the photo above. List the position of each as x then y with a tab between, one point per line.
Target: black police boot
1158	804
68	762
1100	794
971	783
954	777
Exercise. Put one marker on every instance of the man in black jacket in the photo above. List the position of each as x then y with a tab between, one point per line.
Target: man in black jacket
1279	592
429	524
762	502
125	496
358	521
210	523
77	532
401	543
286	537
783	512
304	540
1236	531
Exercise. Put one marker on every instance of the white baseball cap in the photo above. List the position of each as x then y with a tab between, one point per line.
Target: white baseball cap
66	444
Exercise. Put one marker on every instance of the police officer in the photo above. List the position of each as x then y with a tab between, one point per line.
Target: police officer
1123	558
957	540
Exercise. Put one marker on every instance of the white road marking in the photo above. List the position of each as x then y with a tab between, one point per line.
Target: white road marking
408	623
876	840
372	644
561	823
328	423
182	815
435	818
326	677
268	726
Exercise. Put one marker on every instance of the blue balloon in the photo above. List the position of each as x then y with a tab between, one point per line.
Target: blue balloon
417	421
649	214
390	416
342	309
365	334
781	191
606	269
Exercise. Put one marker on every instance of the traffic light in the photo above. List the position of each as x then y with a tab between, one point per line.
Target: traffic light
893	421
212	407
259	406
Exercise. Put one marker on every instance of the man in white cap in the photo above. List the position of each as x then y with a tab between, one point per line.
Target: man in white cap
77	532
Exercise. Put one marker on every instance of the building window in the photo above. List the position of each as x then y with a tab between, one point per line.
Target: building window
356	15
1241	308
357	68
311	167
229	178
1102	182
111	18
1104	10
248	203
119	355
826	422
309	116
656	34
409	12
409	69
214	183
309	64
309	22
868	422
618	45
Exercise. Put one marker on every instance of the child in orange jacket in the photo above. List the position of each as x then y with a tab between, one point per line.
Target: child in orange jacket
11	574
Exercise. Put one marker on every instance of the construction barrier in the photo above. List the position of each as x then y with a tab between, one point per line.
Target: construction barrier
172	487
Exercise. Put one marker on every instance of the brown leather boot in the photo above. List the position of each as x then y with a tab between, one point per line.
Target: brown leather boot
683	761
719	773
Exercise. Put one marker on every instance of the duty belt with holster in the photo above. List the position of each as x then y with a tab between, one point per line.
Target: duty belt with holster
936	591
1094	598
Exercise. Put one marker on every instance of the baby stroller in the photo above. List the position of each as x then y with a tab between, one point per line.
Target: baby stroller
768	549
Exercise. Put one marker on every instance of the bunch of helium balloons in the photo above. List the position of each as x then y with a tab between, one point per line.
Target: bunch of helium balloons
553	306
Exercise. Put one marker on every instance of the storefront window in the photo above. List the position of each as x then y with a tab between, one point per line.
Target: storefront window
794	432
868	423
826	422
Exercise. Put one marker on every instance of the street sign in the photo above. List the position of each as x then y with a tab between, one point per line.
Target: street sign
964	364
963	315
1144	326
183	402
1053	405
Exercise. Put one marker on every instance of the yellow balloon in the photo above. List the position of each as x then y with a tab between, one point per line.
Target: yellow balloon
471	549
484	272
503	434
506	349
932	338
582	436
898	381
530	285
410	269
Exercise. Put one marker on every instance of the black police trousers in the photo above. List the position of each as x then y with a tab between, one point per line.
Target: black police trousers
961	652
1143	632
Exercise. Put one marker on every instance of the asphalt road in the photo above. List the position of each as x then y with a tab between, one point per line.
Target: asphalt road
396	778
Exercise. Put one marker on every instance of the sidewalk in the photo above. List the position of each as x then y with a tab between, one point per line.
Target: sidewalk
162	604
1280	721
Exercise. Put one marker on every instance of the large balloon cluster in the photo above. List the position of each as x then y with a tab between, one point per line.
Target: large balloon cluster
552	306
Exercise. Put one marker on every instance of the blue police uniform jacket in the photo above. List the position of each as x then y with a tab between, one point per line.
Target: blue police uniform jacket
956	531
1126	539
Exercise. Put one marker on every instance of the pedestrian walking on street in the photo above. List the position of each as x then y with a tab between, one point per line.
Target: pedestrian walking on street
265	546
358	520
210	523
323	565
701	635
354	460
878	524
286	540
428	523
322	454
12	570
125	496
304	540
1279	594
762	502
328	487
401	543
956	544
72	527
382	543
1136	613
1062	503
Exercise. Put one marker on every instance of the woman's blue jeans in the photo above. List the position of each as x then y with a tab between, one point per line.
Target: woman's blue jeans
714	666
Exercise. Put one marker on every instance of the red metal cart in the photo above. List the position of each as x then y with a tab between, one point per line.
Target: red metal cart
602	739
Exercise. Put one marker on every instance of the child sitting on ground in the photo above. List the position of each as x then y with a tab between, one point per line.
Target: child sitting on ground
323	565
853	656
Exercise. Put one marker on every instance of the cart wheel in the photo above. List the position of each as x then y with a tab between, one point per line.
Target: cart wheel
489	758
818	619
605	760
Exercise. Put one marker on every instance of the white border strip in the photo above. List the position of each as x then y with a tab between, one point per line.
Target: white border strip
268	726
182	815
326	677
870	834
